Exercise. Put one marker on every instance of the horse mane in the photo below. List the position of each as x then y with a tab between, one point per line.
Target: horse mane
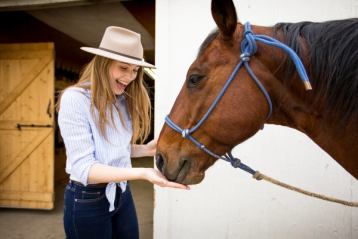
330	50
212	35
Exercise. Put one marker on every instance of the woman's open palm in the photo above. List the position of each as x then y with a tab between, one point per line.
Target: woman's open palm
156	177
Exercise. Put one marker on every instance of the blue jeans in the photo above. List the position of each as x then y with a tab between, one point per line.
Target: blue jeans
86	213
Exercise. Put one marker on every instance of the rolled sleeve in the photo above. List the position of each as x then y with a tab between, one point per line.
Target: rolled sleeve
73	120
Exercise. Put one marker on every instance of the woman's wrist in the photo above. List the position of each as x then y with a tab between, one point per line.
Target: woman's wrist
144	173
144	150
140	150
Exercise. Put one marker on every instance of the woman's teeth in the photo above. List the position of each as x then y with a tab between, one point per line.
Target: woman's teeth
120	86
120	83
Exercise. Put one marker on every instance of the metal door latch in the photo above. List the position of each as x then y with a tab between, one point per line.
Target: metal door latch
20	126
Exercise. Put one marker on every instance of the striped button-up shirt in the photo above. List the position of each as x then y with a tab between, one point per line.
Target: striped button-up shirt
85	145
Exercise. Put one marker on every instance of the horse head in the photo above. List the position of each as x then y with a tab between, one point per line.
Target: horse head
237	84
237	116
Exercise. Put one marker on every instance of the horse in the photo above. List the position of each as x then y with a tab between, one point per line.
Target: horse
301	75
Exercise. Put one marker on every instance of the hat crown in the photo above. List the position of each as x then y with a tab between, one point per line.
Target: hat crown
122	41
120	44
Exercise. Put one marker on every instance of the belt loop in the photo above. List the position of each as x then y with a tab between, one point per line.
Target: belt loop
71	183
71	186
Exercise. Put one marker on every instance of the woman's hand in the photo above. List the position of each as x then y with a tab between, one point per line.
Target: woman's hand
156	177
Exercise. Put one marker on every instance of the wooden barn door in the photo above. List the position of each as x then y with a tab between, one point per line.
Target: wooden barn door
26	125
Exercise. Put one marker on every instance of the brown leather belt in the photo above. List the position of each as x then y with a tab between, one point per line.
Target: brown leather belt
95	185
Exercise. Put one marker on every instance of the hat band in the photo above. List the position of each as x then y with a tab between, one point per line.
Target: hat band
121	54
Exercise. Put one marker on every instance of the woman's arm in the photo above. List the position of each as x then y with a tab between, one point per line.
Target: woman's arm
100	173
76	133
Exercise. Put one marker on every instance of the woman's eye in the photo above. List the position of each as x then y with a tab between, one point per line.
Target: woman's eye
124	68
194	79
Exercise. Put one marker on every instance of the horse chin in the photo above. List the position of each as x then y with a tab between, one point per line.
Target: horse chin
191	178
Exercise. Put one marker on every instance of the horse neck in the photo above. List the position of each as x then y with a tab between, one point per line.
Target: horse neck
294	112
295	108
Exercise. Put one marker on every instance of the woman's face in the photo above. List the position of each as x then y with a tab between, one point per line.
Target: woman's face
121	74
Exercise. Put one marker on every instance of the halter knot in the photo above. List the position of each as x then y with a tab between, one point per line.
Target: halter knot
245	57
248	44
185	133
235	162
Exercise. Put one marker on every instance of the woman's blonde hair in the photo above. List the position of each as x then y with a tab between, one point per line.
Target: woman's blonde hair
96	75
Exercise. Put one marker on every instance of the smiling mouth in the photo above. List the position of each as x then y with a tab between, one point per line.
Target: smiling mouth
120	85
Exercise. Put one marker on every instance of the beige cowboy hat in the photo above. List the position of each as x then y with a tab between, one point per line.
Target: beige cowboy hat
120	44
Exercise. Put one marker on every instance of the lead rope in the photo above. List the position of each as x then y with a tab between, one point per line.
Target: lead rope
236	163
260	176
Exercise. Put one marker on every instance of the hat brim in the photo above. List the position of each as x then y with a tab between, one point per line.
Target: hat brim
116	57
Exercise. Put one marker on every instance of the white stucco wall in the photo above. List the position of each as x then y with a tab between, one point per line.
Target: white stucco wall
229	203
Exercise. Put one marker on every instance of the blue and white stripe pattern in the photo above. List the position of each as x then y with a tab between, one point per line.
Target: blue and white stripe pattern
84	144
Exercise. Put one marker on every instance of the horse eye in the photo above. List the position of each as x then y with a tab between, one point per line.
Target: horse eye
194	80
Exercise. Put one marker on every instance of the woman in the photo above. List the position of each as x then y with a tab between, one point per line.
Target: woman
100	119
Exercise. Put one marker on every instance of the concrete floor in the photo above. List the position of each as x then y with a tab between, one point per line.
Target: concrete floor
40	224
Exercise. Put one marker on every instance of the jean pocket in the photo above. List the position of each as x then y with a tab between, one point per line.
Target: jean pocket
90	196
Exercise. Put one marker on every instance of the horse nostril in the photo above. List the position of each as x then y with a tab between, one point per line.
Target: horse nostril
159	161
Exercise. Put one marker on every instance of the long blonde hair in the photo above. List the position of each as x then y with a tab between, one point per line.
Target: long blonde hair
96	72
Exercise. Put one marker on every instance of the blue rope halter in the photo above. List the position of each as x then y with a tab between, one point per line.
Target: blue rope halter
248	48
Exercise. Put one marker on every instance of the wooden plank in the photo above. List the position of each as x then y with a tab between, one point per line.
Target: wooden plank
28	78
25	55
26	204
27	196
18	159
19	47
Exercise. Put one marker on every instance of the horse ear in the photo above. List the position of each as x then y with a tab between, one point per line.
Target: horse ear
224	15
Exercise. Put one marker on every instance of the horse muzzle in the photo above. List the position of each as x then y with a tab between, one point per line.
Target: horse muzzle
180	171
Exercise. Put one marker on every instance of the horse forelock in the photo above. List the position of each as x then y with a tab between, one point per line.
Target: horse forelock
332	63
